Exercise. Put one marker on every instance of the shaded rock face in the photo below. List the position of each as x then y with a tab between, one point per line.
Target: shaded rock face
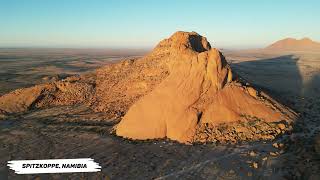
200	89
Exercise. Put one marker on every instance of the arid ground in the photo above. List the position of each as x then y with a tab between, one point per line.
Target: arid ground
293	78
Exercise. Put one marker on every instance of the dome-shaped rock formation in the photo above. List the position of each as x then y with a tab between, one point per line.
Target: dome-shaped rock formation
183	90
200	88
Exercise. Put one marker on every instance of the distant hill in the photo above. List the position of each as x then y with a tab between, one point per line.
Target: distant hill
291	44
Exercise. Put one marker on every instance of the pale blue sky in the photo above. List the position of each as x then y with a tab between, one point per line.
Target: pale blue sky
142	23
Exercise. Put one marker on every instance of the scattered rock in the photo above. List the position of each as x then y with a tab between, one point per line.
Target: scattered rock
275	145
255	165
274	153
252	92
234	132
252	153
281	145
3	114
281	126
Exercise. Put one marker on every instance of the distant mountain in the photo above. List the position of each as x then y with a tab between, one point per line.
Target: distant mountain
291	44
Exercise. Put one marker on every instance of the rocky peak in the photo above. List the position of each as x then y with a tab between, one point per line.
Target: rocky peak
184	41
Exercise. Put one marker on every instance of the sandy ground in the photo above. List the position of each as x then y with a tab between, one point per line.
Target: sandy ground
76	132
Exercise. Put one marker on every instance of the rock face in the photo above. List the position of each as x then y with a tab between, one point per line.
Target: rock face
290	44
200	88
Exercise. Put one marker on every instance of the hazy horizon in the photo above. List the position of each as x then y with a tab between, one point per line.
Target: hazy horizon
123	25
